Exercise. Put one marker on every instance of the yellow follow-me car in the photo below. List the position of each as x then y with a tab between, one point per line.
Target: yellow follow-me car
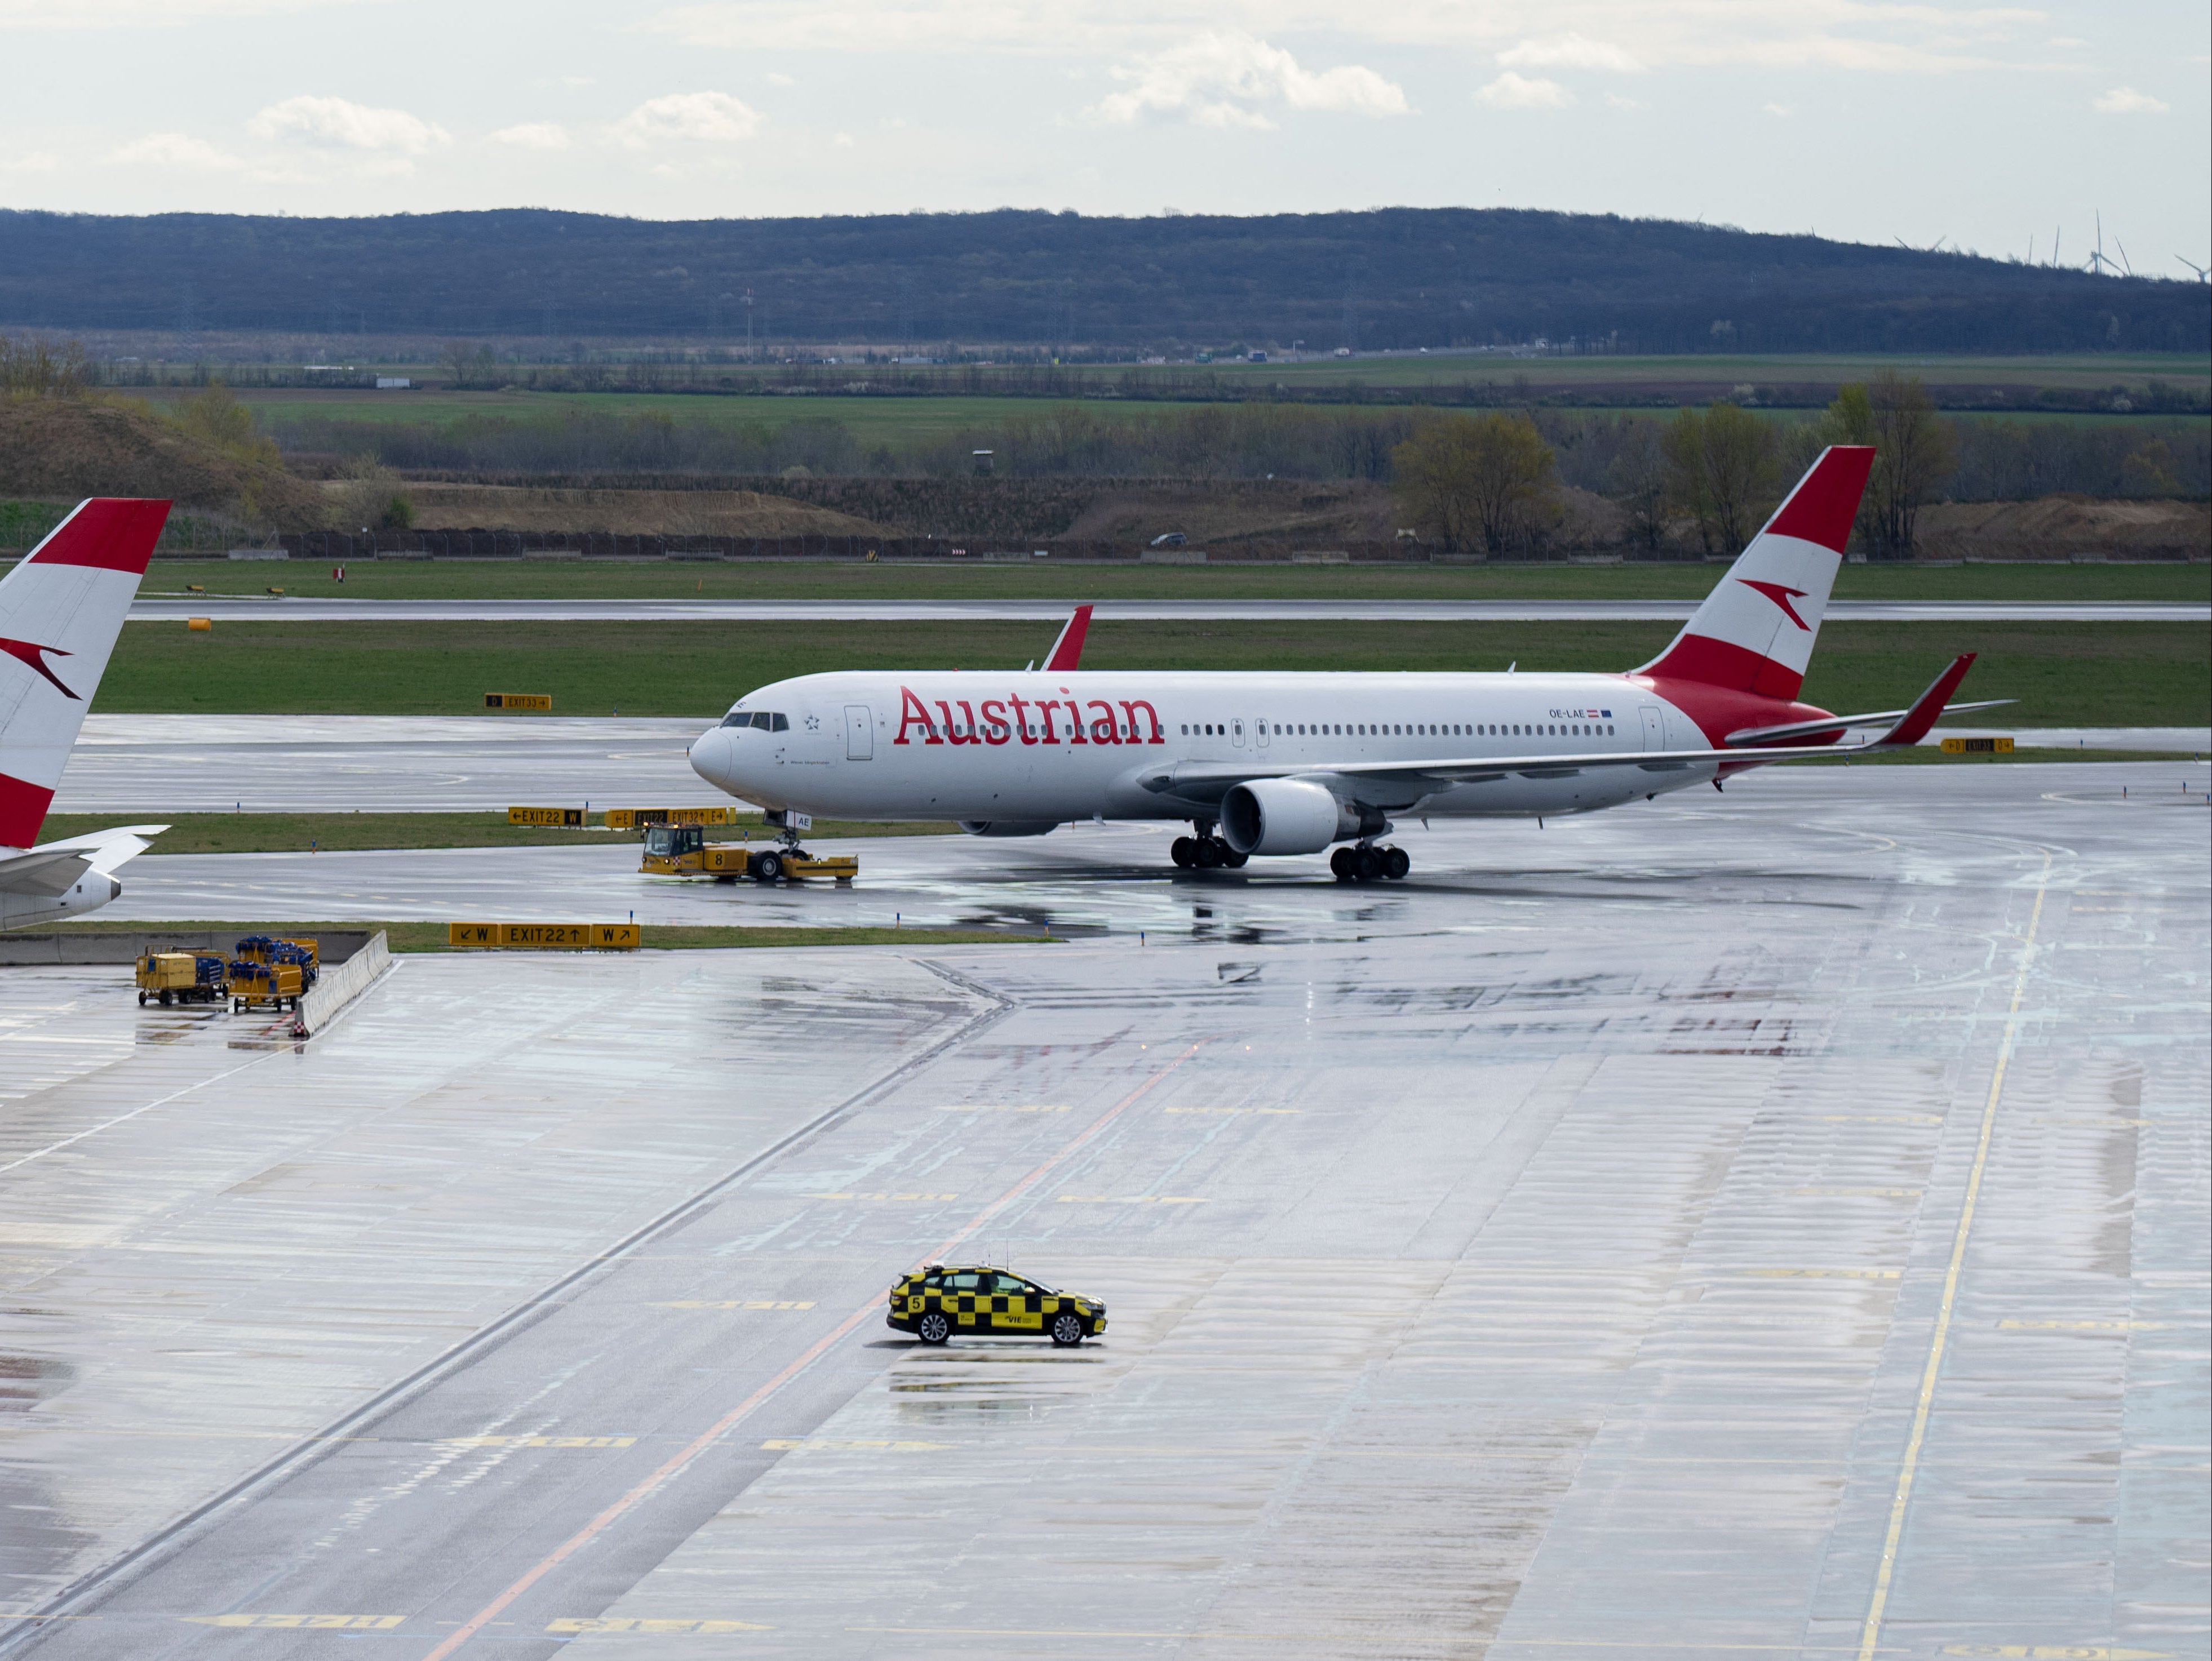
940	1301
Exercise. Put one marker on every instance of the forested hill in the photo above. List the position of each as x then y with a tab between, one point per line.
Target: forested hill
1392	277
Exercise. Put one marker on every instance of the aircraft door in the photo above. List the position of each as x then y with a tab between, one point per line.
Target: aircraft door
1236	731
1260	734
1655	729
860	733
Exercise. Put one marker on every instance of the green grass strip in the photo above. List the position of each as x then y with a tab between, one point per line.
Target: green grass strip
348	832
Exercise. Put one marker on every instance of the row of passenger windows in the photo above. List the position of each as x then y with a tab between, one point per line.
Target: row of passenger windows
765	720
1430	729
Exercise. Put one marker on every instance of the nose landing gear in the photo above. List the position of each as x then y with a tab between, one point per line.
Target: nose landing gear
1368	864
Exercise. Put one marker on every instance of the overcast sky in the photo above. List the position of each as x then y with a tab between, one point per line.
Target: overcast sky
1986	125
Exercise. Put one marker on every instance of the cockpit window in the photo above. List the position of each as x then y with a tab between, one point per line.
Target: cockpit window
737	718
765	720
782	723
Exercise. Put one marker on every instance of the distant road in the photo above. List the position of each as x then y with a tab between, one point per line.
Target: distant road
1348	610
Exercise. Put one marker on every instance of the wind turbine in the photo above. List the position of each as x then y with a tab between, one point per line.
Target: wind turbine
2123	247
2201	270
2097	260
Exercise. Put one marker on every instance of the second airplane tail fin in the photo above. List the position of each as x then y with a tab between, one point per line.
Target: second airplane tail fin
1755	632
60	611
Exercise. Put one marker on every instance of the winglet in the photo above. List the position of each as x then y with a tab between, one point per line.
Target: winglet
1913	726
1067	651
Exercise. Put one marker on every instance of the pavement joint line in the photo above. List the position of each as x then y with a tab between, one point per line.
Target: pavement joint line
1789	1646
161	1101
1902	1500
677	1462
308	1449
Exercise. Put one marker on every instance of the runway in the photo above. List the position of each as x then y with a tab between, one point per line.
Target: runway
152	764
299	610
1762	1224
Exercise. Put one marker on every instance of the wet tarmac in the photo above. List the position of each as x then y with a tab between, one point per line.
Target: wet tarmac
1767	1224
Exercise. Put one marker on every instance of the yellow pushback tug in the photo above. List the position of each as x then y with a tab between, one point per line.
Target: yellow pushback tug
683	851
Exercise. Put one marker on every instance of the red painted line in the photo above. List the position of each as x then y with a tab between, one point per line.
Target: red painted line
706	1439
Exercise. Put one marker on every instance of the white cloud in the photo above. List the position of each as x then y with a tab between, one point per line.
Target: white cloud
705	118
30	161
1571	51
1774	109
1221	80
1621	103
178	150
778	78
336	121
534	136
842	141
2126	101
1515	92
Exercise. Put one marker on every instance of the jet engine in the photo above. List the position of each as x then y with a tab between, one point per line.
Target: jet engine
1284	815
1008	826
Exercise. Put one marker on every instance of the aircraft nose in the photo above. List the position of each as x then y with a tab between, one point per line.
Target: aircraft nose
715	757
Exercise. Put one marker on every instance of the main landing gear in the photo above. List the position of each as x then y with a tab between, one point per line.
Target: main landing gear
1368	864
1205	853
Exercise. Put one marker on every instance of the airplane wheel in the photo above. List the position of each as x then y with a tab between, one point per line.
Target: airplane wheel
1368	864
1184	850
1233	859
1344	863
1396	863
1208	853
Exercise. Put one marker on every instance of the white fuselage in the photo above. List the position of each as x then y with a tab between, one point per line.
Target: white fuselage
1044	747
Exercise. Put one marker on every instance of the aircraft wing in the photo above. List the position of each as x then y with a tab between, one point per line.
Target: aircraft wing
1210	780
54	868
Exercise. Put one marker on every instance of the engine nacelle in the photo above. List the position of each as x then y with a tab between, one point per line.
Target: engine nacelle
1284	815
1008	826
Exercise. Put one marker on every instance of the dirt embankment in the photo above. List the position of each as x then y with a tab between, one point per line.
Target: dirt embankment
625	512
66	449
2059	527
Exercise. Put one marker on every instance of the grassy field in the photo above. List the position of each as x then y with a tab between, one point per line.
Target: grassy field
2063	673
340	833
579	579
433	936
905	422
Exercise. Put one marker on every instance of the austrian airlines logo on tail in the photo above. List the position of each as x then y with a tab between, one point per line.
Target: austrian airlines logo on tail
34	655
1781	596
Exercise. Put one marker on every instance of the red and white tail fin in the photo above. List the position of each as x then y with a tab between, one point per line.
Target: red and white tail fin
1755	632
1067	652
60	611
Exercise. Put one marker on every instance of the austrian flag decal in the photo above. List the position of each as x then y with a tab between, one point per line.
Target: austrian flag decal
35	655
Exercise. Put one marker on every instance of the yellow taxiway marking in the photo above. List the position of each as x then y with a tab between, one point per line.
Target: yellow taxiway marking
979	1108
1270	1112
625	1623
2083	1326
736	1303
794	1444
1822	1274
1859	1193
911	1195
1130	1199
538	1441
1925	1405
309	1622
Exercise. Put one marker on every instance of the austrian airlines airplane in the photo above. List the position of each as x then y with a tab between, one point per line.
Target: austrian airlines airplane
60	611
1291	763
